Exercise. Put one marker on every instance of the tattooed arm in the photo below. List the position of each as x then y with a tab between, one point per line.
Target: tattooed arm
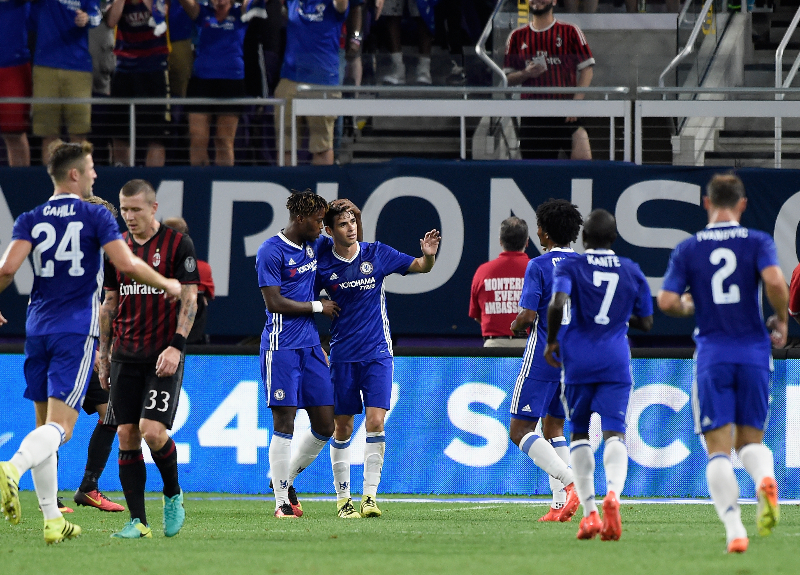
108	313
168	361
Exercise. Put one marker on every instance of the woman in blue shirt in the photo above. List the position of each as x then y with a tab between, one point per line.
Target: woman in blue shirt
218	72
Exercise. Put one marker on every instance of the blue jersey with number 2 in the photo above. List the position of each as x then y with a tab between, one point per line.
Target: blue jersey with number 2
721	265
605	290
67	235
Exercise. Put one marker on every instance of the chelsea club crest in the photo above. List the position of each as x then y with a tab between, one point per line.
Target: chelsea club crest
366	268
310	251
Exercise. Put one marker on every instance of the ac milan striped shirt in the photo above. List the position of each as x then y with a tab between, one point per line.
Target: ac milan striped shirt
564	48
146	321
137	48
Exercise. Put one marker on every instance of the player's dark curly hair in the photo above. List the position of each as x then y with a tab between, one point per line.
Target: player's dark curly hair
560	220
101	202
305	203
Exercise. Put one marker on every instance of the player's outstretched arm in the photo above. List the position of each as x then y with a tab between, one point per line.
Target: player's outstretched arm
276	303
674	304
524	319
429	245
555	313
642	323
127	263
108	313
778	296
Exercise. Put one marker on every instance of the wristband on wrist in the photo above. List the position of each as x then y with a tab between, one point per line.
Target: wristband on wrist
316	307
178	342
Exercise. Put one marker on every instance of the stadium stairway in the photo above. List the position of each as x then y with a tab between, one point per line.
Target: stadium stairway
750	142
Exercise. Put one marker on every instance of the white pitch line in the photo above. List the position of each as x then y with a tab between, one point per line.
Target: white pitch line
492	501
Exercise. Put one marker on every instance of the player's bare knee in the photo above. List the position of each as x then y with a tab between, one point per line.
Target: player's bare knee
520	428
343	427
552	427
129	437
374	423
607	435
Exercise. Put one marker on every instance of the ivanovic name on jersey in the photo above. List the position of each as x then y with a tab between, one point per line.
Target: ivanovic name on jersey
361	331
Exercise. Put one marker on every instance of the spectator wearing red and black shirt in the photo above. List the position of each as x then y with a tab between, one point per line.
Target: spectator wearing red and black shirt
146	367
141	73
497	287
547	53
794	294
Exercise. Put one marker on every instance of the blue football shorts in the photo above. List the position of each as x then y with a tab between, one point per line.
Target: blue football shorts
58	366
361	383
725	393
533	399
296	377
608	400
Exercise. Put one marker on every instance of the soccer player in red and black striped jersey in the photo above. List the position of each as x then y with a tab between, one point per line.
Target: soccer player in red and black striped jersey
146	367
546	53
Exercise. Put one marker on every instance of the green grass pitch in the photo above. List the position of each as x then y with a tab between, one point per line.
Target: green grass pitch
229	536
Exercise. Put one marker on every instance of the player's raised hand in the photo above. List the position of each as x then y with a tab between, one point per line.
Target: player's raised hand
778	331
330	308
348	206
551	354
173	290
430	243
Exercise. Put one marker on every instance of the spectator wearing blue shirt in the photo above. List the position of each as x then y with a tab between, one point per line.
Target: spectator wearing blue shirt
311	57
15	79
218	73
62	68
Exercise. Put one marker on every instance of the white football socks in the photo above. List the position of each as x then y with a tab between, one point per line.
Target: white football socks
545	457
615	463
758	461
582	458
307	447
374	451
556	487
37	446
45	482
724	490
280	451
340	462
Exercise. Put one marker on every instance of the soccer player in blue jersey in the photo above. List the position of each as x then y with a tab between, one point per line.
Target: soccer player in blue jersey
537	392
353	273
725	266
293	366
67	237
605	294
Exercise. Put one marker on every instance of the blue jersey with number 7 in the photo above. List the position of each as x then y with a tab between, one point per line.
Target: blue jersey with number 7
605	290
721	265
67	236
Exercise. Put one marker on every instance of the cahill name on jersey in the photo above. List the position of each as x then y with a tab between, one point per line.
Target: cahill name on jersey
361	332
281	262
67	235
721	265
605	290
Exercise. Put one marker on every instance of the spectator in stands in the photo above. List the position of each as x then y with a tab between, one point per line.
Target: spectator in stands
15	79
141	72
101	47
62	68
205	289
181	53
218	73
393	12
547	52
497	287
312	57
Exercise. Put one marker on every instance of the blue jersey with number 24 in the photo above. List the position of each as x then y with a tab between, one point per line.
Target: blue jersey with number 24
605	290
67	235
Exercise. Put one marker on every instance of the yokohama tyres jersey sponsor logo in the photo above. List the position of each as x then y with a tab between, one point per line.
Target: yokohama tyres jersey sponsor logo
364	283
